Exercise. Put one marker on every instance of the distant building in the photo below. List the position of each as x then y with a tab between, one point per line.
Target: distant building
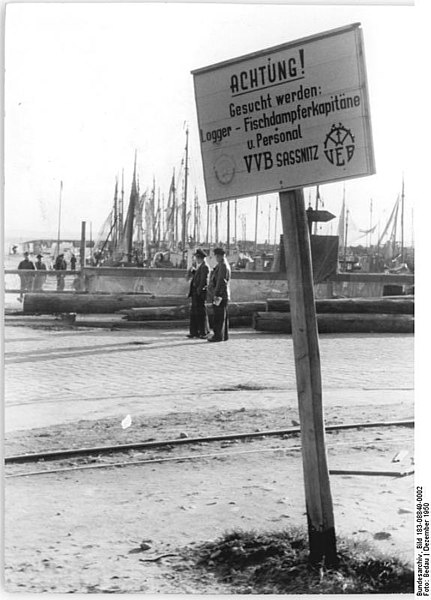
50	246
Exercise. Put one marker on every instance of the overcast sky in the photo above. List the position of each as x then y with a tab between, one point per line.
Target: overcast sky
87	84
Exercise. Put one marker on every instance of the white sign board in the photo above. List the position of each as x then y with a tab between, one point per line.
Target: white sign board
285	117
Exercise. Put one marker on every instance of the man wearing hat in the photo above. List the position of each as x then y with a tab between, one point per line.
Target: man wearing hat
220	288
26	278
60	265
40	278
198	292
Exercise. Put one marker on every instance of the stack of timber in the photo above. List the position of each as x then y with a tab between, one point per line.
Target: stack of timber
240	313
344	315
57	303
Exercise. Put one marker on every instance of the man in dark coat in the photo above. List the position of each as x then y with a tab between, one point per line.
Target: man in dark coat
199	327
220	289
60	265
26	278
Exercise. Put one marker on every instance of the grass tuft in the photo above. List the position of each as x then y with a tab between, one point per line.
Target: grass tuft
277	563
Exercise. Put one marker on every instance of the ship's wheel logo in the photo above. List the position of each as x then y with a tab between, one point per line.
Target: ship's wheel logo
339	145
224	168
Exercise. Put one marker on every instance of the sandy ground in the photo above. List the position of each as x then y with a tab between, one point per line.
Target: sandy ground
81	530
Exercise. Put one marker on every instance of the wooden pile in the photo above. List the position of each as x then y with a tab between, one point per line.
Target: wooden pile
344	315
240	313
47	303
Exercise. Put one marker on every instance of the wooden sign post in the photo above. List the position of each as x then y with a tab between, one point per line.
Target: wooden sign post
275	121
320	517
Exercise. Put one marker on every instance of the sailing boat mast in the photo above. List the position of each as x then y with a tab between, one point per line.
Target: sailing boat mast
158	218
228	226
121	207
402	221
345	237
131	214
115	235
163	214
59	218
236	217
317	207
275	228
394	230
244	227
185	191
196	217
269	224
174	213
255	227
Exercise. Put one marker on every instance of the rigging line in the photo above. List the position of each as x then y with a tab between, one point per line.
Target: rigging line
197	457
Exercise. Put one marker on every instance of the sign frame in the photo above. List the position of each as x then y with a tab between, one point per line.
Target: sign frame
230	152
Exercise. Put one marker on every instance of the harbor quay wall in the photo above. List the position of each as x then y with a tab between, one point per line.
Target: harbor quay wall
173	282
245	285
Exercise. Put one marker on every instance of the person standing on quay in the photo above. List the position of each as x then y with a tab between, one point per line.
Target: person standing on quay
220	289
40	278
26	278
198	292
60	265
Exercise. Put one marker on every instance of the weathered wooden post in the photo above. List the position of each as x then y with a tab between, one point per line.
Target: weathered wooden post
320	517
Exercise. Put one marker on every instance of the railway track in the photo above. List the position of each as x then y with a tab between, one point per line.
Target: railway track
152	452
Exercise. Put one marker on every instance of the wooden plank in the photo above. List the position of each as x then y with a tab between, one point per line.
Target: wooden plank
320	515
372	473
387	305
